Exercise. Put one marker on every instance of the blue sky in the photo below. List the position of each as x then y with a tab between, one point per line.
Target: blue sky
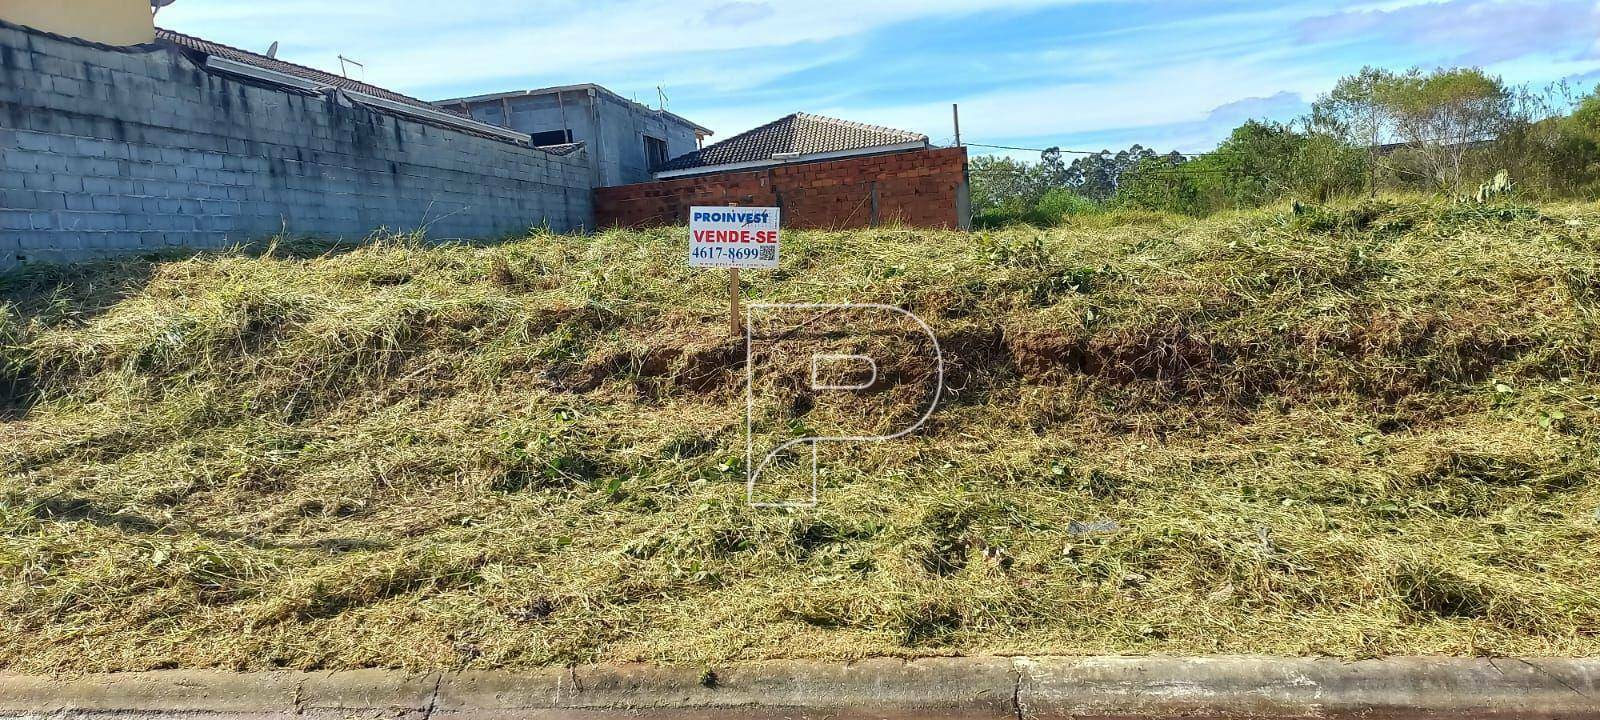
1034	73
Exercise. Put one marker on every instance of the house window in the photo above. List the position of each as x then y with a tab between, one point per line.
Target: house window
655	152
552	137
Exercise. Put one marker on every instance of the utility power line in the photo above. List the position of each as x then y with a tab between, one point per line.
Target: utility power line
1040	150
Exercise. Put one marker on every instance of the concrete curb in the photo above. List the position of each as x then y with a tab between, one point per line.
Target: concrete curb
966	688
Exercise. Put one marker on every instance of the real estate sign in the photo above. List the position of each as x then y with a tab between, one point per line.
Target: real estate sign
733	237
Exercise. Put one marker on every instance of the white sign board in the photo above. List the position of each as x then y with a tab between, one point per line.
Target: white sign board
733	237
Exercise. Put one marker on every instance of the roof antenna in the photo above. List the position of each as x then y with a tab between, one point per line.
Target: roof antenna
345	71
661	99
272	52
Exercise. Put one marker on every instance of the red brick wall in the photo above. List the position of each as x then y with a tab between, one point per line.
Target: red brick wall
919	188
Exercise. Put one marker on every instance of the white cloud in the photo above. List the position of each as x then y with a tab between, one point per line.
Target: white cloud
1167	95
727	63
421	43
1478	31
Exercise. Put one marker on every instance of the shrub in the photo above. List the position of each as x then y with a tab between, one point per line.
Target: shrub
1058	205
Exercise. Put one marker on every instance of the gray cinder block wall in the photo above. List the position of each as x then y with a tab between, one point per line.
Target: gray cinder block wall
110	150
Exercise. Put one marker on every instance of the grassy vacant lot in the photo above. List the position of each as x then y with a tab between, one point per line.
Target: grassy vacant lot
1356	431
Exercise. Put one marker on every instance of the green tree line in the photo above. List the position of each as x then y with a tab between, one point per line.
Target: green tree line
1454	131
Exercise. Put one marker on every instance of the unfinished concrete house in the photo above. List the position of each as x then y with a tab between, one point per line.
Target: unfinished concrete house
627	141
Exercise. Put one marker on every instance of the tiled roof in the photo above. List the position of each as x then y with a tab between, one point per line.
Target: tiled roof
562	149
800	133
261	61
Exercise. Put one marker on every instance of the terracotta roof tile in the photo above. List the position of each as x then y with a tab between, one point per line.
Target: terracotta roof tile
562	149
800	133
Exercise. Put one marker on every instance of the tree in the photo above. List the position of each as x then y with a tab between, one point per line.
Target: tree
1099	176
1164	182
1325	167
1444	114
1261	162
1052	169
1353	113
1561	153
1007	191
1001	181
1585	120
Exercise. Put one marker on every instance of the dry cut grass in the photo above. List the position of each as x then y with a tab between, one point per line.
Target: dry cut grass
1354	431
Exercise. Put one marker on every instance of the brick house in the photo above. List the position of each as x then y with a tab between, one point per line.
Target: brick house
823	172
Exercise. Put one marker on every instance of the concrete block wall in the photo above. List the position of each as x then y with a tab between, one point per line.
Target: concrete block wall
920	188
623	127
104	151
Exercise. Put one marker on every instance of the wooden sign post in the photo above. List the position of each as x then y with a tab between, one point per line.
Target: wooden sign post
733	238
734	325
